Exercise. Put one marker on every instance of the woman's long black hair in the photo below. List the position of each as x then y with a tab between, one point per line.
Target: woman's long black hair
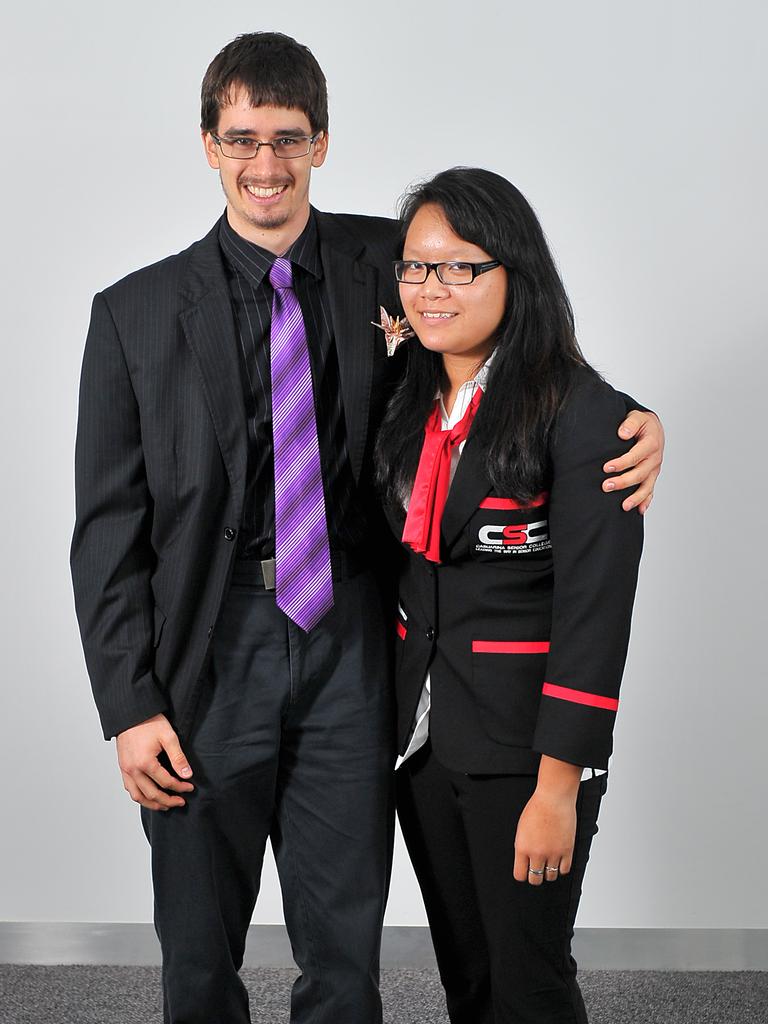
536	350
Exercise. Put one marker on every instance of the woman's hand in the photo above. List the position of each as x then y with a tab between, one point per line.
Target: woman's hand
546	831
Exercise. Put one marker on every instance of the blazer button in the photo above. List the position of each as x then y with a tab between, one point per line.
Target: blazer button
229	533
430	634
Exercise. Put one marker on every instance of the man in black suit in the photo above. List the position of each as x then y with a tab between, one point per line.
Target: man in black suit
200	666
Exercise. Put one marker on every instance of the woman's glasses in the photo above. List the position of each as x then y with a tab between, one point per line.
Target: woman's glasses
448	271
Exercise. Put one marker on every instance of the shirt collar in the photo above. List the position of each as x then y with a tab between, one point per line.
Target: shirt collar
255	262
465	395
479	380
481	377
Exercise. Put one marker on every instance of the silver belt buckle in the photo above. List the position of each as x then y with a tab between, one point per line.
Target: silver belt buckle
268	572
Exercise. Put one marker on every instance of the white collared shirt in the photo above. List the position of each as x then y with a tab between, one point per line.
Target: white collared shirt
465	395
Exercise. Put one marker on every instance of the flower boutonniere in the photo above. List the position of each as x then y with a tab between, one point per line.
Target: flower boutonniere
395	330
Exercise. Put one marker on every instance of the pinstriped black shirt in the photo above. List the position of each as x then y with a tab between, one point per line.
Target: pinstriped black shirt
247	267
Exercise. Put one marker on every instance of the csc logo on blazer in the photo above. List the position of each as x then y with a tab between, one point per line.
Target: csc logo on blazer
514	534
502	526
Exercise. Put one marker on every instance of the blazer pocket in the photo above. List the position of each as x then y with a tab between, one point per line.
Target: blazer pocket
507	676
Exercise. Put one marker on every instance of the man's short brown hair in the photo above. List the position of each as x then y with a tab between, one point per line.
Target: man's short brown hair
274	70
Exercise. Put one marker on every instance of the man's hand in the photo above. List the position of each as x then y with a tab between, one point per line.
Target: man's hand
143	775
642	463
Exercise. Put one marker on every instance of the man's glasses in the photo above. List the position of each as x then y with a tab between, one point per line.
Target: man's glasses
448	272
243	147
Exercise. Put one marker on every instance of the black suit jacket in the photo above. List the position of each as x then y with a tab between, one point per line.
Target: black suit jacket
161	457
524	625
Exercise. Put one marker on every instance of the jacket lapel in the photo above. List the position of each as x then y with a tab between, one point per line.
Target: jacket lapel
208	325
352	289
470	485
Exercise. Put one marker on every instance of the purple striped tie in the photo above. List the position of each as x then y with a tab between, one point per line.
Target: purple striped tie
303	582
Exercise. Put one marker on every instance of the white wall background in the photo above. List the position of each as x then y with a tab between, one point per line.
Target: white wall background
638	132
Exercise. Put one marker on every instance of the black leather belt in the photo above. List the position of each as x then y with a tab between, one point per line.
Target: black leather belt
344	565
251	570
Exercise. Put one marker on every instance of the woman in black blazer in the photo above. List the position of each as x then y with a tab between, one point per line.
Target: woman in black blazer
515	597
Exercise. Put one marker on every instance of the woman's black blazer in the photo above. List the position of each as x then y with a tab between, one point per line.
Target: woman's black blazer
524	625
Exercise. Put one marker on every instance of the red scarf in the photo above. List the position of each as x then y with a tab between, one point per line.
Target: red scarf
433	478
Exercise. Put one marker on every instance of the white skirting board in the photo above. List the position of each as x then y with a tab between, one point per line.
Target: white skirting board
659	949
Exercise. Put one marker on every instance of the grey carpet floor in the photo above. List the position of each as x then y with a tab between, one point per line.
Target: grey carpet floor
130	995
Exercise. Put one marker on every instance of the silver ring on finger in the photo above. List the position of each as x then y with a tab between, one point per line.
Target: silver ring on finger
535	871
554	870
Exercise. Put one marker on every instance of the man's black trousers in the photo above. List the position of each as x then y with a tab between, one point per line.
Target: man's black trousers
293	739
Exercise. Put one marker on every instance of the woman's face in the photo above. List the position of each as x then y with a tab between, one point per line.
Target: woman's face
459	320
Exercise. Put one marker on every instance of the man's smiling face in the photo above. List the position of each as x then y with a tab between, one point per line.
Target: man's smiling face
264	193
